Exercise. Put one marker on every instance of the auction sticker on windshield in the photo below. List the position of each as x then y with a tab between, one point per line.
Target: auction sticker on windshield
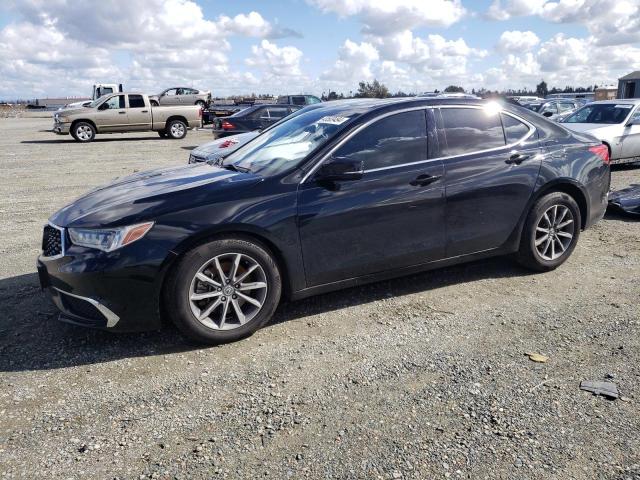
333	120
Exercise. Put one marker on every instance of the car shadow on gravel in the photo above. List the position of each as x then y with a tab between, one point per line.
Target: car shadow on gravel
31	338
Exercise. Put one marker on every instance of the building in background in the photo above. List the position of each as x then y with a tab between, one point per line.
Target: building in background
606	92
629	85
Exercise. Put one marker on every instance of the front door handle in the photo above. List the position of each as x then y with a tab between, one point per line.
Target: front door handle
424	179
122	113
516	159
144	111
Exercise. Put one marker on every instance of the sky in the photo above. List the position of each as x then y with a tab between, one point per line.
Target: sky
63	47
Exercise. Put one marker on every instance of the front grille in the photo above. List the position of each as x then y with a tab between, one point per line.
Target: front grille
82	308
52	241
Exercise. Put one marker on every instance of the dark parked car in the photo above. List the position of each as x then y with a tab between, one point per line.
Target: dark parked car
253	118
298	100
344	194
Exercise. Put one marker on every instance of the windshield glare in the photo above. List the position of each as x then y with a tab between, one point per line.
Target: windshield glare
286	144
608	113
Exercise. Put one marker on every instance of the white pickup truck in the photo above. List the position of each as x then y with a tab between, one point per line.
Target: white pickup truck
125	112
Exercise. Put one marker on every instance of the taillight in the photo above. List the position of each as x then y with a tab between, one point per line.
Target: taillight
602	151
227	125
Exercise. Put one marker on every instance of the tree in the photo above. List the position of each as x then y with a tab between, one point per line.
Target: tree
372	90
454	89
541	89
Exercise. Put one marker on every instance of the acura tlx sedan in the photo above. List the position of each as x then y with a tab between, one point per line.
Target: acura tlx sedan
347	193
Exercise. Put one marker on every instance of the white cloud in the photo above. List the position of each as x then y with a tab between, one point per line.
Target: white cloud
353	64
516	42
385	16
504	10
279	61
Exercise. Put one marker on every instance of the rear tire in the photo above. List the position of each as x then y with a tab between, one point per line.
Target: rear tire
83	132
176	129
550	233
223	291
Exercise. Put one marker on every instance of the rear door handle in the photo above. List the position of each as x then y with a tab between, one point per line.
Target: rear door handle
516	159
122	113
424	179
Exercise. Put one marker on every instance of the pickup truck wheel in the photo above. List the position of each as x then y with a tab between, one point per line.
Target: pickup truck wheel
176	129
162	134
83	132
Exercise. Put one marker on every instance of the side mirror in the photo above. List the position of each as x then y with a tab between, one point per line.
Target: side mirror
547	114
103	106
341	168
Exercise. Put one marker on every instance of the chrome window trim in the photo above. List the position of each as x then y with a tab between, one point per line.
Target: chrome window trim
112	318
63	243
532	130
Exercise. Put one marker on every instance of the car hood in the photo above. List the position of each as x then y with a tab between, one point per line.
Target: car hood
596	129
225	145
72	110
146	195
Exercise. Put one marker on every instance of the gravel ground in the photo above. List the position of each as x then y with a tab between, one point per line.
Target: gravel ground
420	377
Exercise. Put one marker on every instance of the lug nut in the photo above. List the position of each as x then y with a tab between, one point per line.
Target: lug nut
234	297
224	299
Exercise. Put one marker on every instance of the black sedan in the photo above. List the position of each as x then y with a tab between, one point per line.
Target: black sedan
347	193
253	118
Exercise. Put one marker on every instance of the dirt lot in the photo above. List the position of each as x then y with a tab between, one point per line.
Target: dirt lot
421	377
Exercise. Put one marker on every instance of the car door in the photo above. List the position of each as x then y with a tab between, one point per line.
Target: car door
111	115
138	113
390	218
631	135
490	174
170	97
188	96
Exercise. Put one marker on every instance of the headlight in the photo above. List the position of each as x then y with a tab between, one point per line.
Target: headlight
108	239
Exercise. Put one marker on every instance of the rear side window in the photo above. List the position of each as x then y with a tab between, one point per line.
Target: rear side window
136	101
470	130
394	140
277	112
298	100
514	130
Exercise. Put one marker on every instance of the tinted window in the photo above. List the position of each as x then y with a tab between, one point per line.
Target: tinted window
394	140
470	130
136	101
298	100
106	90
277	112
514	129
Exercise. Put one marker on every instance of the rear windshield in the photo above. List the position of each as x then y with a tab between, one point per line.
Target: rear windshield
605	113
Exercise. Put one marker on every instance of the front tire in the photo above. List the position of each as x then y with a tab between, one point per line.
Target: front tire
176	129
550	233
83	132
223	291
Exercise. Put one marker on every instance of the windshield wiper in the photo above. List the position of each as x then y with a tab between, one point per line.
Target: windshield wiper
235	168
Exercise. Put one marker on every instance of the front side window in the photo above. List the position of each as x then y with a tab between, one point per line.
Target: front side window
605	113
171	92
116	102
277	112
136	101
394	140
470	130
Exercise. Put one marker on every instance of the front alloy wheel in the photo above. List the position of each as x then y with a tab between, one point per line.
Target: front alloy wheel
223	290
228	291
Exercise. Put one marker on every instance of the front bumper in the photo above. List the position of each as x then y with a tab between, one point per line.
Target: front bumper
61	128
118	291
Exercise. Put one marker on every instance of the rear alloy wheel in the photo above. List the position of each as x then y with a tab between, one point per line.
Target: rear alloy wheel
83	132
223	291
176	129
550	233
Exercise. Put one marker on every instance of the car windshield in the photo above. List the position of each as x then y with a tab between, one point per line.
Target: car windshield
606	113
286	144
96	102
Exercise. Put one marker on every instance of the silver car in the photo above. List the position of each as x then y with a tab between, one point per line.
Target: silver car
181	96
558	109
615	123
